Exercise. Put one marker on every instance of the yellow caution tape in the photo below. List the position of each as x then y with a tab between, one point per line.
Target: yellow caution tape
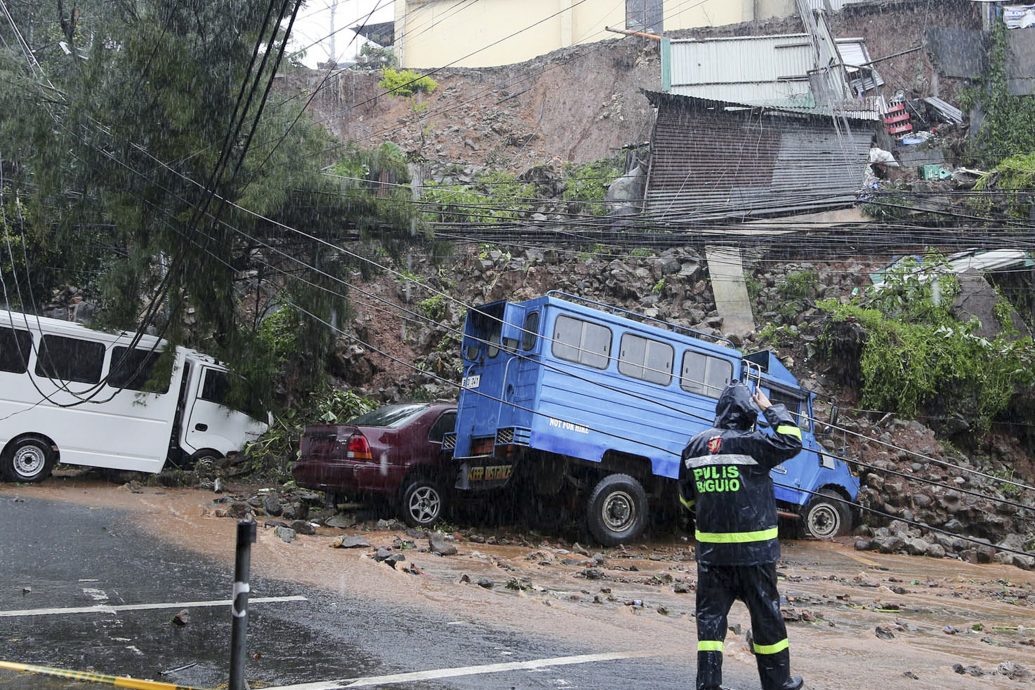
114	681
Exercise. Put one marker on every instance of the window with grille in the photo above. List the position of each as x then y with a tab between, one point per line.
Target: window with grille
581	341
645	15
642	358
705	374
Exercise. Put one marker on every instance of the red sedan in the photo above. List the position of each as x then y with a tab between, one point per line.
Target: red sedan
394	451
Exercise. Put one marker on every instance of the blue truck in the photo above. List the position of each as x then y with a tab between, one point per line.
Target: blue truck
582	409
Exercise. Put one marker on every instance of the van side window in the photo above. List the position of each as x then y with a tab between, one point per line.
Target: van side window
580	341
704	374
531	332
132	369
70	359
15	346
642	358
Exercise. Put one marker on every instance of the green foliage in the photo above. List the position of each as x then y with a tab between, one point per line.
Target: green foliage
659	287
799	285
754	288
1008	490
586	184
917	355
773	336
1015	174
494	197
1009	125
1004	312
375	182
406	83
371	166
506	190
434	307
917	291
641	252
279	332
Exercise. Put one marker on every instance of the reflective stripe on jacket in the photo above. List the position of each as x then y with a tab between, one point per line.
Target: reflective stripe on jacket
725	475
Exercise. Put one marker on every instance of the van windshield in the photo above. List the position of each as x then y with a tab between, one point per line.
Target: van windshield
391	416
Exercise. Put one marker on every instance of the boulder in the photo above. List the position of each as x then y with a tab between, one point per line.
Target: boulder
271	504
441	545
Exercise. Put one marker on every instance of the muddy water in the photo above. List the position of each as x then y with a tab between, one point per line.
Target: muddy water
840	595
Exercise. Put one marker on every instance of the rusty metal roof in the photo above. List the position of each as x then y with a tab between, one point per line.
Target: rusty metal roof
713	160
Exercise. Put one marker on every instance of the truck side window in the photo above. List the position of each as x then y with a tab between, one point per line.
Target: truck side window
494	337
704	374
531	332
70	359
580	341
794	406
649	360
14	350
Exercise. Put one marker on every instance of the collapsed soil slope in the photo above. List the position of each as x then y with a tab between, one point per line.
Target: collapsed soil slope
583	103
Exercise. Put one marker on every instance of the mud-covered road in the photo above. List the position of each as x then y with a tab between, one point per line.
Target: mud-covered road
555	616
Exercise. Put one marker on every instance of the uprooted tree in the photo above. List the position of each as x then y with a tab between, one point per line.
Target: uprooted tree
142	157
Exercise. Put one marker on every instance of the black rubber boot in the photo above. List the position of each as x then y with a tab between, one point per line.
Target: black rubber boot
709	671
793	683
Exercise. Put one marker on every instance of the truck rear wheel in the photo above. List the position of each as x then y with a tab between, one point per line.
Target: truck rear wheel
616	511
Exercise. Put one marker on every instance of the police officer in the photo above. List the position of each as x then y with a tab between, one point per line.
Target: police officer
724	476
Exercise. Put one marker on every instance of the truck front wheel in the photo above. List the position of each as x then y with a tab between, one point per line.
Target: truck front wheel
616	511
827	516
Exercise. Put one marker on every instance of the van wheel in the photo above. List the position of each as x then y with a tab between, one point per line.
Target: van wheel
826	517
29	459
616	511
422	503
204	458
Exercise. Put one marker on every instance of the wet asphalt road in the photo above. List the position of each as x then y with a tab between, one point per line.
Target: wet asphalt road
75	556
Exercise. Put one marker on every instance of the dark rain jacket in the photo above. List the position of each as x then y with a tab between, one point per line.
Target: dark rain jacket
724	476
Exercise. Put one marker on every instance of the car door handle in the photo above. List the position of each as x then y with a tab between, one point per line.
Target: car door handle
201	427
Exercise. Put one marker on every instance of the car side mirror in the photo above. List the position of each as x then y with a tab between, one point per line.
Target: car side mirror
835	413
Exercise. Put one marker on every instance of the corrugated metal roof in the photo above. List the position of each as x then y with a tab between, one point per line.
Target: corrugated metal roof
760	70
712	161
835	5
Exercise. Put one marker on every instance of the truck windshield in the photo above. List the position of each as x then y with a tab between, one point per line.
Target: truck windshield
391	416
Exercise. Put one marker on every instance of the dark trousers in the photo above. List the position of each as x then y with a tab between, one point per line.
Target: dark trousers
755	585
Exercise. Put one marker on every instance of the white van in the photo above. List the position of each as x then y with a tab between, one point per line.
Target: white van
74	395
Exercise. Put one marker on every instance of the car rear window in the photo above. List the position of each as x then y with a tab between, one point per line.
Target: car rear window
389	415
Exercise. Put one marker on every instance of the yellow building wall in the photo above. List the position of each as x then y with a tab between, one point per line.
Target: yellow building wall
462	33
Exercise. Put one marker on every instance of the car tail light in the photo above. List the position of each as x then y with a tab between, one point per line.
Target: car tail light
357	448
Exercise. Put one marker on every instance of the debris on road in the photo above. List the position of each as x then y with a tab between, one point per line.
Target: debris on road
347	542
441	544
